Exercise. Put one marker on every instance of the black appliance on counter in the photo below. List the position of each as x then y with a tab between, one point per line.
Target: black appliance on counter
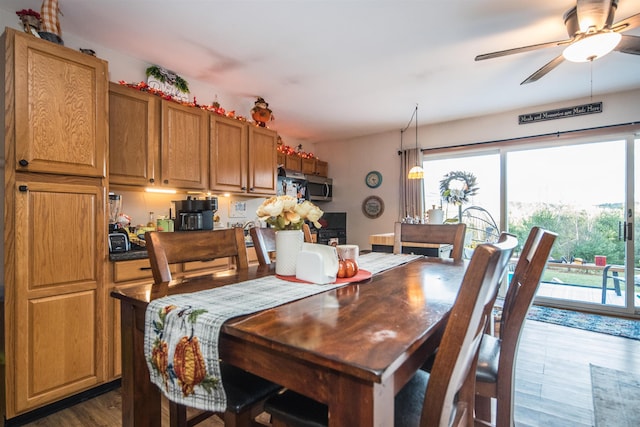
194	214
333	230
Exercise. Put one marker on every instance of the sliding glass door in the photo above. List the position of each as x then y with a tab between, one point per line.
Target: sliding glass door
584	191
578	191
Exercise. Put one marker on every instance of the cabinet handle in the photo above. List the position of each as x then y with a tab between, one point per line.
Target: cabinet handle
23	162
23	188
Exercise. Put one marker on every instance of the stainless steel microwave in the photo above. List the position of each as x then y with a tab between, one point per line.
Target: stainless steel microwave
319	189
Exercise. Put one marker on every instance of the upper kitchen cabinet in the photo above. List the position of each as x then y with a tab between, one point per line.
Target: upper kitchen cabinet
59	102
243	157
263	175
184	146
156	142
134	136
229	151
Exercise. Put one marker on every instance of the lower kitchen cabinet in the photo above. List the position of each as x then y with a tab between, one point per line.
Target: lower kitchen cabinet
124	274
54	294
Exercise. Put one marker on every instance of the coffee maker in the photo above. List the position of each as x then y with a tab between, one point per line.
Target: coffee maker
194	214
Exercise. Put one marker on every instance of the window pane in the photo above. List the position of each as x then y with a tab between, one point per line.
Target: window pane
485	167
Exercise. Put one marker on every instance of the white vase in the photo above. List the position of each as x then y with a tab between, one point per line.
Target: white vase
288	245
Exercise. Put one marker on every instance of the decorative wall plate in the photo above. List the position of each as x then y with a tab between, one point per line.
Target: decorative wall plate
372	207
373	179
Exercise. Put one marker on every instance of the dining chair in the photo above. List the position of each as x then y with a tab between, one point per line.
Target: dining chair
264	242
245	392
497	355
444	397
452	234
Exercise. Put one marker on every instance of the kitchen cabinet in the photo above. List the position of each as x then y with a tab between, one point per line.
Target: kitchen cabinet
134	136
322	168
184	146
293	163
54	143
58	106
243	157
156	142
125	274
263	174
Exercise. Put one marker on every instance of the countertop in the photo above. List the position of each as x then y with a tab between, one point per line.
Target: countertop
142	253
386	239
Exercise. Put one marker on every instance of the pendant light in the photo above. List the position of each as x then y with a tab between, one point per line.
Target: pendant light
416	172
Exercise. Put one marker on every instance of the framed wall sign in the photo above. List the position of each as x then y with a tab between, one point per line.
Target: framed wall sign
372	207
373	179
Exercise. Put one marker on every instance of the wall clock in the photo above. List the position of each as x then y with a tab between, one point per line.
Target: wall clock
373	179
372	207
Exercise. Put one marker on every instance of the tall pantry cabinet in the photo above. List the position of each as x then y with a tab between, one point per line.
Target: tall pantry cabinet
54	142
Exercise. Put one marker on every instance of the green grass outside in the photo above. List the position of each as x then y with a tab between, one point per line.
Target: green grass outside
588	279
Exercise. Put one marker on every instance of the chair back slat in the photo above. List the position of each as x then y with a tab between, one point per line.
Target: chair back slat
187	246
451	388
451	234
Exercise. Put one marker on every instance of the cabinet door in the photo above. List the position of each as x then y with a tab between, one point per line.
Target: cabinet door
309	166
322	168
262	161
60	108
228	149
134	136
184	146
58	292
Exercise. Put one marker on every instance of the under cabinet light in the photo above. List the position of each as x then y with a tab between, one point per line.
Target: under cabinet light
160	190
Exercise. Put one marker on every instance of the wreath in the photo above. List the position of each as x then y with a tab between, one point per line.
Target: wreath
456	187
168	77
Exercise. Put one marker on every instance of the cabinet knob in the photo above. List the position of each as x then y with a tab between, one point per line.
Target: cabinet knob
23	188
23	162
243	188
251	189
166	181
152	180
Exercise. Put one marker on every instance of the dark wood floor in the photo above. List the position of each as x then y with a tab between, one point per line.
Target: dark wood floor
553	382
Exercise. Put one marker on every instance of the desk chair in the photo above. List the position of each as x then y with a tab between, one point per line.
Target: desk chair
264	242
452	234
496	360
446	396
246	392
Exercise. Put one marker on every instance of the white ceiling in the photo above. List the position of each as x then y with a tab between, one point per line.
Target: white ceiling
334	69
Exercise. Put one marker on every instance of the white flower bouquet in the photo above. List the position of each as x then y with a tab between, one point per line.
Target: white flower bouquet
285	213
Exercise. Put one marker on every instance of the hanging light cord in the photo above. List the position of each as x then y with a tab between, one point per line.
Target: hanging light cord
415	114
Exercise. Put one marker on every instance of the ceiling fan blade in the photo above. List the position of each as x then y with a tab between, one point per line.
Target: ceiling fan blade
544	70
522	49
593	13
629	44
627	24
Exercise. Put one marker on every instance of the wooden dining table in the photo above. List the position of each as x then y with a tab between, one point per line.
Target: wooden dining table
352	347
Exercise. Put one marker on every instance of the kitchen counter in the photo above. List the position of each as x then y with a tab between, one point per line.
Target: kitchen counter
142	253
129	255
384	243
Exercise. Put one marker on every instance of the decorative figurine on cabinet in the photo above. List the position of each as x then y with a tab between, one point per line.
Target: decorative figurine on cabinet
261	113
50	22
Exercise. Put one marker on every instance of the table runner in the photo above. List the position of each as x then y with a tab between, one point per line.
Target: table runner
182	330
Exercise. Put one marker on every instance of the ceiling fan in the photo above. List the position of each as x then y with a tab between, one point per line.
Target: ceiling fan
591	36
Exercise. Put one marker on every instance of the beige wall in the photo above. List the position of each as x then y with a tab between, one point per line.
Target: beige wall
350	160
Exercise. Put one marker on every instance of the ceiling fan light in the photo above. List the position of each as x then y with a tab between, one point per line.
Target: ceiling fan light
592	47
416	172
